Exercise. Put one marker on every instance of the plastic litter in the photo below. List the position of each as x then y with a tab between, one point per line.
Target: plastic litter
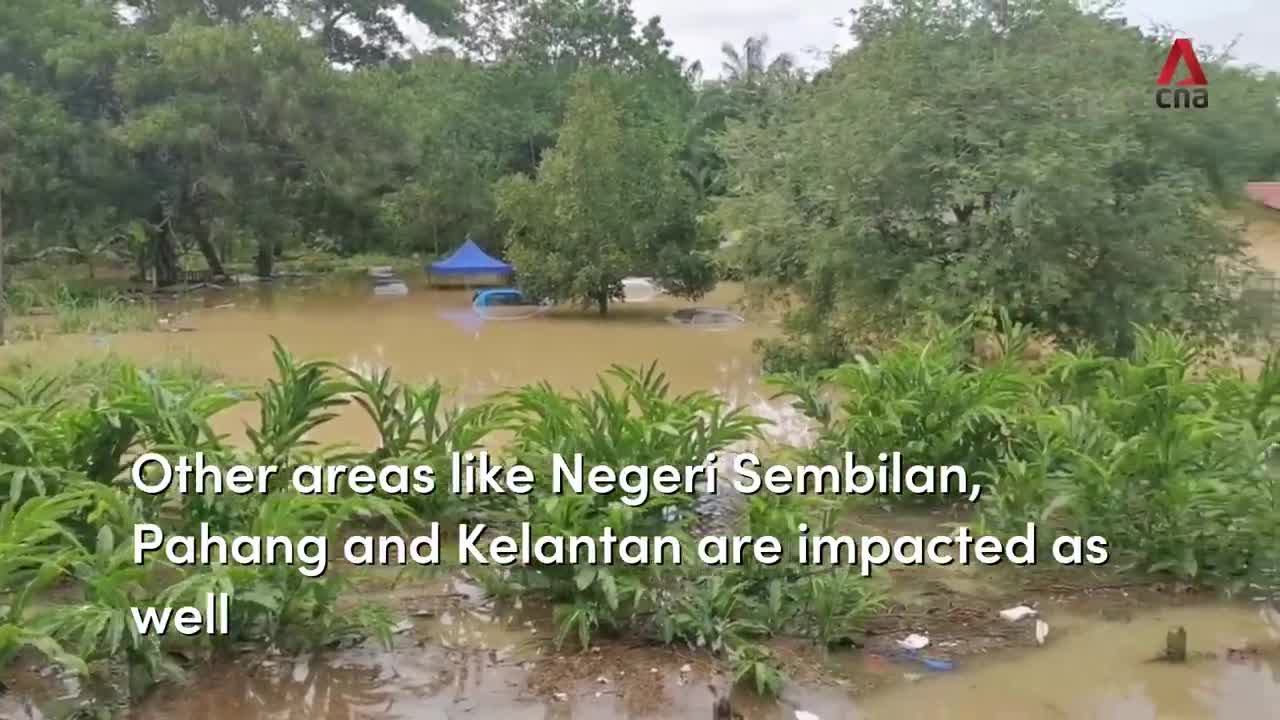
802	715
1014	614
914	642
1042	631
938	665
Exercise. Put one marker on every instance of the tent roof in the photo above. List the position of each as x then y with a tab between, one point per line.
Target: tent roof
469	259
1266	193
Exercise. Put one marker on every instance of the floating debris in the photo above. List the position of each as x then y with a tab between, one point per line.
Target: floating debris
938	665
1042	631
802	715
1014	614
394	289
914	642
706	318
1175	645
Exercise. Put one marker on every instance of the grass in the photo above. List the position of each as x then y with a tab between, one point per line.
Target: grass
98	316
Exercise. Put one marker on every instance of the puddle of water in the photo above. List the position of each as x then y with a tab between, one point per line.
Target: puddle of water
478	664
1096	670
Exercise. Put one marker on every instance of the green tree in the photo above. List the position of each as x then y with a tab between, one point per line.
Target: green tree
968	152
232	127
351	32
608	201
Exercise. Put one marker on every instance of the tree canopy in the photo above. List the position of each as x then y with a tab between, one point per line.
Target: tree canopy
970	153
963	153
607	202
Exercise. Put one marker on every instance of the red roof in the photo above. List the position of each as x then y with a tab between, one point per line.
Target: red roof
1266	193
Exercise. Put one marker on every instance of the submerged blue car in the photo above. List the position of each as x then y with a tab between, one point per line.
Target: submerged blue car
498	297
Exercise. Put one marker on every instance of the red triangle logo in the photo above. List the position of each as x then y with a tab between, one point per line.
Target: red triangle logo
1182	51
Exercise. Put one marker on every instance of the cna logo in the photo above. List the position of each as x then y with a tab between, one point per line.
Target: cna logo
1191	92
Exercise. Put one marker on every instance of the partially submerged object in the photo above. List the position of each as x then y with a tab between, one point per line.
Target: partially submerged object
639	290
469	266
506	304
1014	614
1175	645
395	288
706	318
914	642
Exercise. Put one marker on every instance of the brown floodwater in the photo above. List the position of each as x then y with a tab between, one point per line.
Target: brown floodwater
480	663
424	334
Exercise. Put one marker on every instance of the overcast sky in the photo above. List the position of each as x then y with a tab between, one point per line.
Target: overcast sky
698	27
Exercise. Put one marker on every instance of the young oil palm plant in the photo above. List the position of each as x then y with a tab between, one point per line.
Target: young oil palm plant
634	421
37	549
304	397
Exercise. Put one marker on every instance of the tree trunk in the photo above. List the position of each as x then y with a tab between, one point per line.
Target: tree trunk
602	302
204	238
266	258
165	258
4	296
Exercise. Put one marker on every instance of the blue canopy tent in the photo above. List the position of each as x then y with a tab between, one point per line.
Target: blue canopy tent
470	266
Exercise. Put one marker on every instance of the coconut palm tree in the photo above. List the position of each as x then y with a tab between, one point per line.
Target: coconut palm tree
751	66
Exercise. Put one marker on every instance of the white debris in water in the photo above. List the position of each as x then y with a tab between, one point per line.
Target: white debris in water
802	715
1014	614
686	668
914	642
1042	631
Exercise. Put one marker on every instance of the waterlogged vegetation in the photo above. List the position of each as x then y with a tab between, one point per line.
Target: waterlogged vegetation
1165	456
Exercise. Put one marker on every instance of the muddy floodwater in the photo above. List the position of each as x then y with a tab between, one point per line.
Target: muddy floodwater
427	334
470	660
478	665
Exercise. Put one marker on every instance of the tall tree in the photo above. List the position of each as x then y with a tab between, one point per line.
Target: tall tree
1030	174
353	32
608	201
752	65
232	123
